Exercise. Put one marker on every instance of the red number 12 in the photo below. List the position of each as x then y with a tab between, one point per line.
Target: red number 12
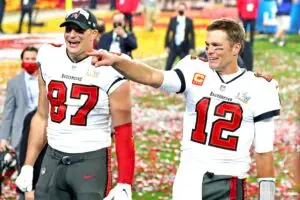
198	133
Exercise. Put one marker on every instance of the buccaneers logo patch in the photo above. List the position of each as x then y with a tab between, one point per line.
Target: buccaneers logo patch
198	79
75	15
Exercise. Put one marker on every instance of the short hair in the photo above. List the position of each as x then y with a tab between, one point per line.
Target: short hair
28	48
117	13
183	4
235	32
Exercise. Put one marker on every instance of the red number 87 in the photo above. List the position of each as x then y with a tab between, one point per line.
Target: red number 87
57	95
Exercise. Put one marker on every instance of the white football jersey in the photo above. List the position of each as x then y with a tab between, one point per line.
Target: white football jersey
79	116
219	119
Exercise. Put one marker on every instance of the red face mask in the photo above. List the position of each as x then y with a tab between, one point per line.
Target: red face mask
30	67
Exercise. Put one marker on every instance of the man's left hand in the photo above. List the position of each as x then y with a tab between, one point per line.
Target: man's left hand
29	195
102	57
120	192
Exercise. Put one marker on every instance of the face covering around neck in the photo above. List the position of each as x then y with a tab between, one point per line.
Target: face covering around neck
181	12
30	67
117	24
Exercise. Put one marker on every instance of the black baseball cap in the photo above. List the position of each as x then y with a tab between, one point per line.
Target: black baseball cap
83	18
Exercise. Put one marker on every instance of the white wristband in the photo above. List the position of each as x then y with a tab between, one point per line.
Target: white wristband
266	179
266	188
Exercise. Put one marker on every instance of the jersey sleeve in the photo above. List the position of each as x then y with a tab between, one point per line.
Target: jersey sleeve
42	57
41	53
175	80
264	135
266	101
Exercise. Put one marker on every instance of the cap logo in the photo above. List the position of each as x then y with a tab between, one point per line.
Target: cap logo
75	15
79	11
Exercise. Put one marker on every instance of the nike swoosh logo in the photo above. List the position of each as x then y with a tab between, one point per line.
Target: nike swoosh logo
125	192
87	177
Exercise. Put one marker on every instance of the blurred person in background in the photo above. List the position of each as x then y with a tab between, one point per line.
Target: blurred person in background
283	18
168	5
180	36
79	107
247	10
100	29
128	21
118	40
92	4
128	8
151	13
23	149
2	10
227	109
26	8
21	98
247	55
112	5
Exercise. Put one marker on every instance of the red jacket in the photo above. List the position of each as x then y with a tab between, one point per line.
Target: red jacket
127	6
247	9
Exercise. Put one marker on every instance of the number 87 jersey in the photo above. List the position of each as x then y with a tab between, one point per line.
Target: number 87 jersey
78	94
221	116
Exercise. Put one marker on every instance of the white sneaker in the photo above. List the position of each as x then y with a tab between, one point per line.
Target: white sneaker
281	43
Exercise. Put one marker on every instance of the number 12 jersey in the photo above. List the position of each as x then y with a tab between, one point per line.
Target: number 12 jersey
220	116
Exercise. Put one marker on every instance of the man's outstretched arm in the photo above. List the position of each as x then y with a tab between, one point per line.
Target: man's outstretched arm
131	69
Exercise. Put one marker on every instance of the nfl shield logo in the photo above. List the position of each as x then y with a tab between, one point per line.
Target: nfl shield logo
222	87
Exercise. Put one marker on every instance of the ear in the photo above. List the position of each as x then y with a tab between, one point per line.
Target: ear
93	34
236	49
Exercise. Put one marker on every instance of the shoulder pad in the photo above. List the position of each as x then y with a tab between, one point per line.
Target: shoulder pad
203	59
199	58
267	77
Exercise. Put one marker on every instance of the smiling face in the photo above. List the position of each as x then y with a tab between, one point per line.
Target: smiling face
224	42
221	53
78	41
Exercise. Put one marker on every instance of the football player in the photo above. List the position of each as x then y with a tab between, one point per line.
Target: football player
227	109
78	105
